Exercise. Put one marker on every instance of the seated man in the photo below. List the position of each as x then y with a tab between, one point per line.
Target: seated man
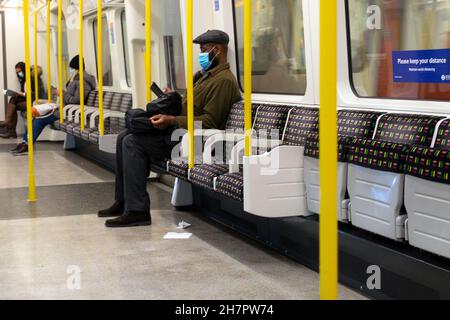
70	96
215	91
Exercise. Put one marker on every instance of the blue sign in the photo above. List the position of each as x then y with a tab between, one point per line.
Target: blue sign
421	66
216	5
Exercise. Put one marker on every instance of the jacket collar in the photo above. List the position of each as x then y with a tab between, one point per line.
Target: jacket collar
217	70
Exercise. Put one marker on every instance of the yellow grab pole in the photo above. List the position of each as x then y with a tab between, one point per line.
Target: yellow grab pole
49	75
328	151
60	64
81	64
36	85
190	80
248	76
101	123
148	48
31	178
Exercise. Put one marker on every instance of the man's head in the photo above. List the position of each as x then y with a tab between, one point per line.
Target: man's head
213	48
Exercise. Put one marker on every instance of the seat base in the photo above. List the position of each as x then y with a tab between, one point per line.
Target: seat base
376	199
427	204
312	180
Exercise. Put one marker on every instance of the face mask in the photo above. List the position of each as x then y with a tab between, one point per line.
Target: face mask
20	75
71	73
205	61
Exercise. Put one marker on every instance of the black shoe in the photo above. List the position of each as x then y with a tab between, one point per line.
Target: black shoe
115	210
130	219
20	150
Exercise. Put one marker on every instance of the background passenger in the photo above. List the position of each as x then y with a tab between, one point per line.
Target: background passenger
19	102
70	96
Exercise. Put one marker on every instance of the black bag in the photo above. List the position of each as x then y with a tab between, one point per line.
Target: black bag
138	121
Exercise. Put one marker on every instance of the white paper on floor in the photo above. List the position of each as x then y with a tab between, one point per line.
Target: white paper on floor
183	225
177	235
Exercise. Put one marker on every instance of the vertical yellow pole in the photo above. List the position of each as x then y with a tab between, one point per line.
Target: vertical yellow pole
248	75
81	71
328	151
60	64
101	123
190	80
31	178
36	85
148	48
49	75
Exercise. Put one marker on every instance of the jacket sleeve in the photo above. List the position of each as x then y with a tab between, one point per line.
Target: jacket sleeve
72	95
219	100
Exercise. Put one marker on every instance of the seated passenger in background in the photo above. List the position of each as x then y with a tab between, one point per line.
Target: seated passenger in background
18	102
215	91
70	96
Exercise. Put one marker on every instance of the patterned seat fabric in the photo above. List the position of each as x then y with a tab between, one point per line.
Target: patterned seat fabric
203	175
301	123
178	169
351	124
432	163
395	136
231	185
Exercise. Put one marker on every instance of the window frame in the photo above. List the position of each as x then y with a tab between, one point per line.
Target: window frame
124	48
350	67
277	94
94	33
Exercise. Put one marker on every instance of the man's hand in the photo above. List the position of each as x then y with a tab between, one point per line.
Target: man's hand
55	92
162	121
168	90
22	94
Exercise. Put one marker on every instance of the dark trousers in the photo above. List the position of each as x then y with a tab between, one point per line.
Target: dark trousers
16	103
133	159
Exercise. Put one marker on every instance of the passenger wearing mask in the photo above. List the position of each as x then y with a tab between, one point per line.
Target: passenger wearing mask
70	96
215	91
19	102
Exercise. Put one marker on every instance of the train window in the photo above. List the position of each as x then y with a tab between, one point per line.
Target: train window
125	47
380	32
107	65
278	46
171	32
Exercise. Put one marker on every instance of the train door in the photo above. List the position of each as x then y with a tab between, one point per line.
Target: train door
3	78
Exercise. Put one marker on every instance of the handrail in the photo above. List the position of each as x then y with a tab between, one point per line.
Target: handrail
31	177
36	73
81	63
248	75
101	121
60	64
148	49
328	242
190	80
49	75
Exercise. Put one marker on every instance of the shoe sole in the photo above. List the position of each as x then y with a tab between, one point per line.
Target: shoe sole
134	224
109	216
15	154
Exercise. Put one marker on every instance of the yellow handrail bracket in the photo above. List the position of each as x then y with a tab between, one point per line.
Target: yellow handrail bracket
328	151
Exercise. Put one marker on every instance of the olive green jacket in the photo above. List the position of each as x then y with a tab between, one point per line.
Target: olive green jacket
214	93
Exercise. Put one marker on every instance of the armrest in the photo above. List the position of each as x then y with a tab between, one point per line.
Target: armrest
216	143
68	110
200	136
87	111
258	145
106	115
